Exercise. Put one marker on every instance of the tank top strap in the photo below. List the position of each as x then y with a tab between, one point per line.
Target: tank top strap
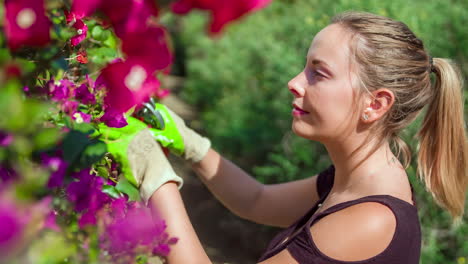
400	208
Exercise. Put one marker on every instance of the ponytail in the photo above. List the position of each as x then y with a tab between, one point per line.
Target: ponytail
443	157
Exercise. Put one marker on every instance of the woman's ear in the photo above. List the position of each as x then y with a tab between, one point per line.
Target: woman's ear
377	104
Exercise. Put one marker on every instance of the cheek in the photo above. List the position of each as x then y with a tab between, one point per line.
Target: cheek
337	103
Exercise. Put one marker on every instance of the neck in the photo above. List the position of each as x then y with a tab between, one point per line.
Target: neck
354	163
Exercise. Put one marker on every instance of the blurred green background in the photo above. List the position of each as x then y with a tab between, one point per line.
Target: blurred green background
238	82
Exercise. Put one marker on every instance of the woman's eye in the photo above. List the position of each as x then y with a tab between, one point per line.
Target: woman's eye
315	74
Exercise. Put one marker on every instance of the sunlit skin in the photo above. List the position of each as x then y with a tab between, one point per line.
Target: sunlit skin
323	89
331	112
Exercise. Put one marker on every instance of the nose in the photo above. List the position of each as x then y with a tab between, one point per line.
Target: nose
295	86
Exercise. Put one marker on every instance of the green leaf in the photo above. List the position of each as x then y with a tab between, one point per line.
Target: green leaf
92	153
111	191
126	187
102	172
46	138
84	127
73	144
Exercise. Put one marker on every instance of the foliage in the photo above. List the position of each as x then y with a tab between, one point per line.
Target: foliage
239	83
68	69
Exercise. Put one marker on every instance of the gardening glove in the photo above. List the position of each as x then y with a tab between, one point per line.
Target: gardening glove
143	161
194	146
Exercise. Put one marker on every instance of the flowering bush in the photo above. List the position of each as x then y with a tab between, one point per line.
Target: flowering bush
65	67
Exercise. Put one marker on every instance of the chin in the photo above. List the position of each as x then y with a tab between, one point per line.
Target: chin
303	131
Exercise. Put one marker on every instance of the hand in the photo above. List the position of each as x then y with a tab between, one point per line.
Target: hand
186	142
142	160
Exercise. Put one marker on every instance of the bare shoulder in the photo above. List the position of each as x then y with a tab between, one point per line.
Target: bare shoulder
358	232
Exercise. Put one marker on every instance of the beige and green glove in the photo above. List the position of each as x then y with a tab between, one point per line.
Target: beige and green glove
193	147
149	165
142	159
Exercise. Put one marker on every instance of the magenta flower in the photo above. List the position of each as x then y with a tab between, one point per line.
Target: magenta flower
129	16
148	48
113	118
81	29
84	94
128	84
50	221
12	224
26	23
58	167
87	196
81	117
222	12
69	107
83	8
5	139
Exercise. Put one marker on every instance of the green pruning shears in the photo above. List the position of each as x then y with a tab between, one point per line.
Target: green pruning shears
163	129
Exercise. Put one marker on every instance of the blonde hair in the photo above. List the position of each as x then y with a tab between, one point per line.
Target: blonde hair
387	54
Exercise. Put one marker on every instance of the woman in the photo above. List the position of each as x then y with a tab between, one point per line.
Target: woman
366	78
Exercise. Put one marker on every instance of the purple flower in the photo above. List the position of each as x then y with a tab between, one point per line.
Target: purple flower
113	118
58	167
81	117
26	23
128	84
5	139
12	224
7	174
60	90
148	48
87	196
138	228
85	95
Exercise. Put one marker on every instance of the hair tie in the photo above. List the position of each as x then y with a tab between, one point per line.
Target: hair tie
431	64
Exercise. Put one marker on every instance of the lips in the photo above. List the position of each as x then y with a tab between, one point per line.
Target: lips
297	111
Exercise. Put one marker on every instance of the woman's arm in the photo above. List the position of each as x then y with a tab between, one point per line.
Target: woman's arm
276	205
167	204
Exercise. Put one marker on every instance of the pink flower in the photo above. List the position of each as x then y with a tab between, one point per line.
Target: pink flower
58	167
12	223
51	222
69	107
82	30
81	117
128	84
5	139
26	23
59	90
136	229
222	11
148	48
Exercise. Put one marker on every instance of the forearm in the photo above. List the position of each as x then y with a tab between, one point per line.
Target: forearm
167	204
236	189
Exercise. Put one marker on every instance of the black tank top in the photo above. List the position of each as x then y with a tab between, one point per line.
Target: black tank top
404	248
